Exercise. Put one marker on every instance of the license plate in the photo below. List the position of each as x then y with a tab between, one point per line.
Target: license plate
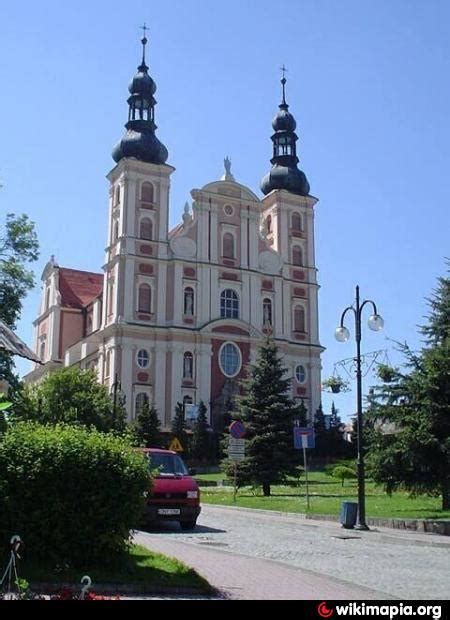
168	511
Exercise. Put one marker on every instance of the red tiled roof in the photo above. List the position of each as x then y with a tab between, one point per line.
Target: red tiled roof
79	288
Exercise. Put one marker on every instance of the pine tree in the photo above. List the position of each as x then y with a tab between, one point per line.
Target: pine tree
201	437
335	420
321	433
416	408
268	414
147	427
178	428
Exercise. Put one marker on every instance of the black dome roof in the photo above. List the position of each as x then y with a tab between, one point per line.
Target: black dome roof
142	83
284	121
283	177
140	145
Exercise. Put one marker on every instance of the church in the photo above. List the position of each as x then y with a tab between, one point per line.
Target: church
177	315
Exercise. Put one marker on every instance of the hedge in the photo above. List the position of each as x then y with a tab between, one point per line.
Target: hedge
72	494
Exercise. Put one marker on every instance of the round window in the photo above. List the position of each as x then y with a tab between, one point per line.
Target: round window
230	359
300	373
143	358
228	209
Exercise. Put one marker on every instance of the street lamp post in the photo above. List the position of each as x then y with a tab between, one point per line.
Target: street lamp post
342	334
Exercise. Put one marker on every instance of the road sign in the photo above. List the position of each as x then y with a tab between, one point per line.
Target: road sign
237	429
175	445
236	449
304	437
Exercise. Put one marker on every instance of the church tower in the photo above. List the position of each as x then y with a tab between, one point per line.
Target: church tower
136	252
288	223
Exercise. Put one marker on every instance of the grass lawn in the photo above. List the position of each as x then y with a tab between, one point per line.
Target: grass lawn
141	567
326	495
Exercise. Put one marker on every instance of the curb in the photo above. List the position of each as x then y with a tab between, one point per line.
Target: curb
122	588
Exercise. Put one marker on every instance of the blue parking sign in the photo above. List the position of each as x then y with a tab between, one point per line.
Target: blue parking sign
304	437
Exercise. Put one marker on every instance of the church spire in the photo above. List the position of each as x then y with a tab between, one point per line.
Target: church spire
140	140
284	173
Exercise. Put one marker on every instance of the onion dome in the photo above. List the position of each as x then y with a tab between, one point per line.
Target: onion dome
140	140
284	173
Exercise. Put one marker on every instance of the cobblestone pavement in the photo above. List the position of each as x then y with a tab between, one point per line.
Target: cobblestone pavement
285	556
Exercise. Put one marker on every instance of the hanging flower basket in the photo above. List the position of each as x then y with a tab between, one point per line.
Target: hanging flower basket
386	373
336	384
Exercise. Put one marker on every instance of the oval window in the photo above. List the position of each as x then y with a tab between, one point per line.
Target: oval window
143	358
300	373
230	359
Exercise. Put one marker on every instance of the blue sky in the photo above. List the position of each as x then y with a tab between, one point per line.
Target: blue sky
367	83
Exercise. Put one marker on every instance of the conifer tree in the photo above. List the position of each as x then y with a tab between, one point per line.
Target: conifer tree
147	427
268	414
201	437
415	407
178	428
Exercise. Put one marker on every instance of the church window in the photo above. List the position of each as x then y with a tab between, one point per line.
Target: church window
188	365
230	359
229	304
42	351
297	255
300	373
146	229
143	358
116	231
189	301
147	192
269	223
107	364
267	311
141	400
47	299
228	245
145	299
299	319
117	195
296	222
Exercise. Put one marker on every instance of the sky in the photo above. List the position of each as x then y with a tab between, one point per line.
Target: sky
367	82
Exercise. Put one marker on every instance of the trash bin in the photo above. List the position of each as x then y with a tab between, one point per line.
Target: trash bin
349	510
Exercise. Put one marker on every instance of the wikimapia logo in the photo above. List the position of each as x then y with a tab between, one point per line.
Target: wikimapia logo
391	611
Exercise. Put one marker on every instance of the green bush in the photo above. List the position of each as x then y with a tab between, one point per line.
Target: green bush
72	494
343	473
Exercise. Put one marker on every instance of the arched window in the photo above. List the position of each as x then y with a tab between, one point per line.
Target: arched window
116	231
147	192
229	304
47	299
146	229
145	299
269	223
42	351
297	255
228	245
141	400
189	301
299	319
267	311
296	222
188	365
118	195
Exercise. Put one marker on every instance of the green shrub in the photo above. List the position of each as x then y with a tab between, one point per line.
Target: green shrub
343	473
72	494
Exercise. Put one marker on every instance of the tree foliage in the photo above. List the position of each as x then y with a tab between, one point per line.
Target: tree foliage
72	396
268	414
201	437
147	427
18	247
410	441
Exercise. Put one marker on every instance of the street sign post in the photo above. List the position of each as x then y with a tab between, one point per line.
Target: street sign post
236	452
237	429
303	439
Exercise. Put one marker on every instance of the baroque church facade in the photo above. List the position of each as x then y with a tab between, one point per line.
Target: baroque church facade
177	315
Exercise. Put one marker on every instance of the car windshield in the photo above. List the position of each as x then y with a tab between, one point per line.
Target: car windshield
168	464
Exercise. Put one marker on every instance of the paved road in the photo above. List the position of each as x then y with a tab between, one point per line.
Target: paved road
259	555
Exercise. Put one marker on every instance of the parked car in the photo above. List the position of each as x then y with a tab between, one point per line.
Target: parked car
175	495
